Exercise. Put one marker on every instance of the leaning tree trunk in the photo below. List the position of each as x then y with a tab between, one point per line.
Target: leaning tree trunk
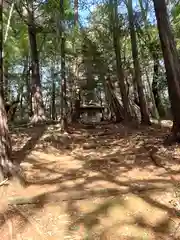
37	99
171	61
142	101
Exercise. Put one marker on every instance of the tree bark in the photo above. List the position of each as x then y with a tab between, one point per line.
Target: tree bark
76	108
75	116
53	97
142	101
117	48
76	4
6	165
1	50
28	88
171	62
63	70
114	103
37	99
5	145
155	89
6	81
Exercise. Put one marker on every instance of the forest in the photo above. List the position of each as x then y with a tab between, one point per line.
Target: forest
89	119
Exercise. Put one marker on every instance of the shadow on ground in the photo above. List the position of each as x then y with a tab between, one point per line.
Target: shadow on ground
109	190
30	138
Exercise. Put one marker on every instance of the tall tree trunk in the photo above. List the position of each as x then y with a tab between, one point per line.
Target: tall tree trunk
171	61
28	88
76	108
6	164
117	48
75	116
38	107
53	97
153	108
142	101
21	107
155	89
6	82
76	12
63	70
153	48
1	51
21	87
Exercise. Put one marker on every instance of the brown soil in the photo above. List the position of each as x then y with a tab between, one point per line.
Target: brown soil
107	183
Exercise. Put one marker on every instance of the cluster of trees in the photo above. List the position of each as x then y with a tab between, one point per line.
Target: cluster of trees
51	61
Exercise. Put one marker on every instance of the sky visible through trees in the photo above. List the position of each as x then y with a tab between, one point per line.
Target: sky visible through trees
89	119
86	8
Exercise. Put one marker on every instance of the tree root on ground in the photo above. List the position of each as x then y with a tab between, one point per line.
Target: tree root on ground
157	160
10	226
31	221
22	200
44	199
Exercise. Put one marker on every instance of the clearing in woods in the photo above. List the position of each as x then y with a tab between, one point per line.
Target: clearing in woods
109	182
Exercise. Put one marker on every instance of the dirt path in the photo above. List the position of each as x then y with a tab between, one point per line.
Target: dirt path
105	183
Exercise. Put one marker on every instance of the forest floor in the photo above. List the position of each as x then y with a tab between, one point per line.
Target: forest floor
111	182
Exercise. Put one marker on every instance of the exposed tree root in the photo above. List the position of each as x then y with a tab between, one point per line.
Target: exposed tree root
22	200
36	119
4	182
32	223
156	159
10	226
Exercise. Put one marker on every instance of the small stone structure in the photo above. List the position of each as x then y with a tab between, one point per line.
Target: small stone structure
92	113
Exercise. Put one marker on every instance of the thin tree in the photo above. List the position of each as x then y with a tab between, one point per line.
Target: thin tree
171	61
76	13
6	165
75	89
53	96
63	69
38	106
155	90
153	47
142	101
114	22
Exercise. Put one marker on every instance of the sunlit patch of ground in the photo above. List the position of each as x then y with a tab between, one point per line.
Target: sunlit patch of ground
93	184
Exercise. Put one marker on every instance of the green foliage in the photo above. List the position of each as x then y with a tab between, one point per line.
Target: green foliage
176	23
91	45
